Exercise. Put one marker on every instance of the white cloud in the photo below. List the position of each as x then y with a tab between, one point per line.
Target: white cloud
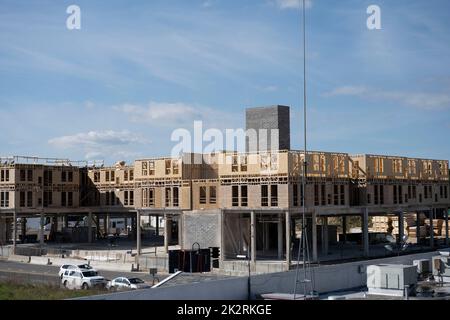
270	88
421	100
101	144
348	91
292	4
96	138
159	113
164	114
208	3
94	155
89	104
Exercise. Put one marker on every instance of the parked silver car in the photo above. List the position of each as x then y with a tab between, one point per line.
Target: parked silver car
122	283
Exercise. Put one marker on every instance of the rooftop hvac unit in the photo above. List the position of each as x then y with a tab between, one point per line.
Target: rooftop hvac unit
423	266
391	280
441	266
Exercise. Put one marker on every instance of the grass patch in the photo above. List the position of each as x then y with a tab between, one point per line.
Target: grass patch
15	291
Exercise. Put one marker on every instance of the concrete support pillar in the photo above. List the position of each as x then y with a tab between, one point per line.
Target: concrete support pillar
105	224
167	232
418	227
54	227
446	227
253	237
365	231
344	228
60	224
97	224
108	224
315	256
157	226
288	239
14	232
401	227
432	213
180	231
325	236
24	229
280	237
42	228
138	232
222	240
134	227
169	229
90	240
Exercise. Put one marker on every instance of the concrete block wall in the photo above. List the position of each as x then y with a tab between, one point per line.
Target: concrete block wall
276	117
203	227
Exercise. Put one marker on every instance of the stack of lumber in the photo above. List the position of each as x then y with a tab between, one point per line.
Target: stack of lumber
443	230
380	224
412	232
438	226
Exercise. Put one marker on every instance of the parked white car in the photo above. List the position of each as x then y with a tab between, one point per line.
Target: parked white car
74	267
122	283
82	279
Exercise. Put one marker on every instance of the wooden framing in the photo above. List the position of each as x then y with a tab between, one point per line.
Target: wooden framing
246	181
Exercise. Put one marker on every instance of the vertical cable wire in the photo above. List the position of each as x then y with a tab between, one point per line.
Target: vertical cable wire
303	247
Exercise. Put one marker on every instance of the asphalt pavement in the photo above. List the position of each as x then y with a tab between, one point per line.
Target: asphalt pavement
31	273
42	274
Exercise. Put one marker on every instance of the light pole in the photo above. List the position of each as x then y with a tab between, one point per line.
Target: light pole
249	288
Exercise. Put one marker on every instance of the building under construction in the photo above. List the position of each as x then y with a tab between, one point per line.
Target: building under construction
243	203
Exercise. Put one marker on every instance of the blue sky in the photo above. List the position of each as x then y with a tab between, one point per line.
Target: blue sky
137	70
